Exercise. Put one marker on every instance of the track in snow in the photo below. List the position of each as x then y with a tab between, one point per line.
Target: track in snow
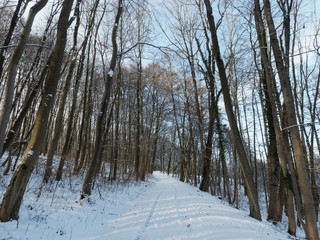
148	219
170	209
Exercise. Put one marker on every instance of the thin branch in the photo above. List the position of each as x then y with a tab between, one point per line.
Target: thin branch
161	48
27	45
302	124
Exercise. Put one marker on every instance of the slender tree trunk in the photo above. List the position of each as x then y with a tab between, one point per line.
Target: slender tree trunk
180	135
138	122
311	148
213	115
154	147
206	162
248	176
222	157
87	107
280	200
183	150
117	123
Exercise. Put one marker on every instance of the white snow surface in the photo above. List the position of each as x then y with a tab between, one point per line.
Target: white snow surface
110	73
161	208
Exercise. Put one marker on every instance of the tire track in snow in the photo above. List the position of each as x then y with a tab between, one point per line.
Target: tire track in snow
181	216
145	225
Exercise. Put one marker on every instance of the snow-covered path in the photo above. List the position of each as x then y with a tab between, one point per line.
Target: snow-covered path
161	208
174	210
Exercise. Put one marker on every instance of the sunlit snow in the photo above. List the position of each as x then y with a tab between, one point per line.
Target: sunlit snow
161	208
110	73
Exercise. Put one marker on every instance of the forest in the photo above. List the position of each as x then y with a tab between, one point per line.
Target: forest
223	95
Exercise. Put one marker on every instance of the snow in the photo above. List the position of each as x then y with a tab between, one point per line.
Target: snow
162	208
174	210
110	73
30	153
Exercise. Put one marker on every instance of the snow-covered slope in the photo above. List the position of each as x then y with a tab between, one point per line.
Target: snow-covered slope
162	208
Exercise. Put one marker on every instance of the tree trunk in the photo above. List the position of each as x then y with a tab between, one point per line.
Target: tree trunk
117	123
248	176
154	147
280	200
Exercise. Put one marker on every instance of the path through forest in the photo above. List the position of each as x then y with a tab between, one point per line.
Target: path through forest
174	210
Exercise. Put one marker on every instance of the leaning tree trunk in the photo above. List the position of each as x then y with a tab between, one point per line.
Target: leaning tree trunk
248	176
14	194
13	69
87	184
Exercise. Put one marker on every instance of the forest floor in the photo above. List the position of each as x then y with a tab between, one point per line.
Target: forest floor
160	208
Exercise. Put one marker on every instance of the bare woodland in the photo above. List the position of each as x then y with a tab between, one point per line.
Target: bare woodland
222	94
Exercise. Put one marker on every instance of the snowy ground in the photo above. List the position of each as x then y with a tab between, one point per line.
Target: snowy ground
162	208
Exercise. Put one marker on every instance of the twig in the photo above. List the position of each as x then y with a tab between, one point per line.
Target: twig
308	124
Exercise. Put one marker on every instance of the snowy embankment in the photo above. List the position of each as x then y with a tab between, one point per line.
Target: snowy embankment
162	208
